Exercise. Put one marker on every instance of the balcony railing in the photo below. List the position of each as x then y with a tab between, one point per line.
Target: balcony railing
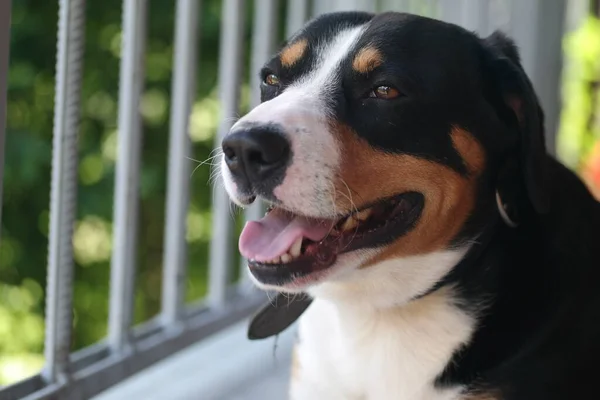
537	26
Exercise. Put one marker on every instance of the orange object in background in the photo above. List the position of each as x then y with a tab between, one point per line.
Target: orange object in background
591	170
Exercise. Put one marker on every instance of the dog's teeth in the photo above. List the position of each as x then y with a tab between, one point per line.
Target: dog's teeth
286	258
296	248
276	260
350	223
363	215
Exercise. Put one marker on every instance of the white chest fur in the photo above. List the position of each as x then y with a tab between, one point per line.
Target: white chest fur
349	352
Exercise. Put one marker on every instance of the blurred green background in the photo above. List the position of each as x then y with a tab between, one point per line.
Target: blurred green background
23	248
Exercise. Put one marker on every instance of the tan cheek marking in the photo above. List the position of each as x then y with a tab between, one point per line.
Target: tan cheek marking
367	59
469	149
293	53
449	197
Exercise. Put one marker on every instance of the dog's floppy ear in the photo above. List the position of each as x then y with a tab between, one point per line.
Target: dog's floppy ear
511	93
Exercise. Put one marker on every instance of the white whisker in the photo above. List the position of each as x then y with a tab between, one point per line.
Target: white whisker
353	208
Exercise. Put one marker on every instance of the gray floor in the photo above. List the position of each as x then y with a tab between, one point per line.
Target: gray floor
270	386
224	367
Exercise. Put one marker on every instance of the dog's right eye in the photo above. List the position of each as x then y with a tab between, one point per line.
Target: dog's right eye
272	80
384	92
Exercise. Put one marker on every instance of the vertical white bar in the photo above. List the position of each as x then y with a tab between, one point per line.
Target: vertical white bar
63	196
178	185
452	11
432	8
476	16
354	5
395	5
481	16
263	44
264	33
538	27
127	174
498	15
4	54
321	7
297	14
230	62
576	12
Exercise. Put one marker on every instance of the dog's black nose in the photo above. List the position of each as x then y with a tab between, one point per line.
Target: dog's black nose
256	154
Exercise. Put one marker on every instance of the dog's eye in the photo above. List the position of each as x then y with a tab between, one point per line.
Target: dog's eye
384	92
272	80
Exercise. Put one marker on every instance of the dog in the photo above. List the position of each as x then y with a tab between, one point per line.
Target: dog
443	253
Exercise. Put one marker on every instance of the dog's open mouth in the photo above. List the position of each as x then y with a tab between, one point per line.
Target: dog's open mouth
283	246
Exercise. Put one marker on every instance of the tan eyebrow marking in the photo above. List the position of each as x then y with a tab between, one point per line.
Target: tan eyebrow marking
293	53
367	59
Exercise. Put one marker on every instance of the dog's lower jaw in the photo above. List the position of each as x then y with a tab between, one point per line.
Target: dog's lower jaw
339	273
387	284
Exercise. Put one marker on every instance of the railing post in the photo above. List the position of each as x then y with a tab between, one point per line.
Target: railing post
178	185
451	11
297	13
476	16
538	27
470	14
353	5
127	174
230	64
394	5
321	7
263	45
4	54
63	196
264	35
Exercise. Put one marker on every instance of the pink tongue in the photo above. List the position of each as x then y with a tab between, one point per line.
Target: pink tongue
273	235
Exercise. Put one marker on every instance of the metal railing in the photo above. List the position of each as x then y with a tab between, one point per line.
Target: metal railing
128	350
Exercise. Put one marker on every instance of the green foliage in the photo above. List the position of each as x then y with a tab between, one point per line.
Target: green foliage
21	330
578	131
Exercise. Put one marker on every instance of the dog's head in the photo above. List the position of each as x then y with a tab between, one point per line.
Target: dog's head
382	144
